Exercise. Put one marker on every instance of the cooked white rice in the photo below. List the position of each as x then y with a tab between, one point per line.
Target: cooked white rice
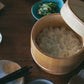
59	42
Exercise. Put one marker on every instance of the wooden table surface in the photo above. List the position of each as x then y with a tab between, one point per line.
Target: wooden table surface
16	22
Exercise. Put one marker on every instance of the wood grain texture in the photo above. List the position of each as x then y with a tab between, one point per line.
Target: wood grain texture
16	23
54	65
77	6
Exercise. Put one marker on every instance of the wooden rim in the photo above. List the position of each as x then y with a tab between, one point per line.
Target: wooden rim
41	51
72	20
50	71
73	14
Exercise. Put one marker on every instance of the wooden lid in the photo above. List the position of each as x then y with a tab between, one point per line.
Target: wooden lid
73	14
77	6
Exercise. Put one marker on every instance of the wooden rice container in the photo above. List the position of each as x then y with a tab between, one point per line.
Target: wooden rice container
55	65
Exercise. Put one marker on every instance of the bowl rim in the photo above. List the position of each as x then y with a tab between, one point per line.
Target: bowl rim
41	80
33	12
42	52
